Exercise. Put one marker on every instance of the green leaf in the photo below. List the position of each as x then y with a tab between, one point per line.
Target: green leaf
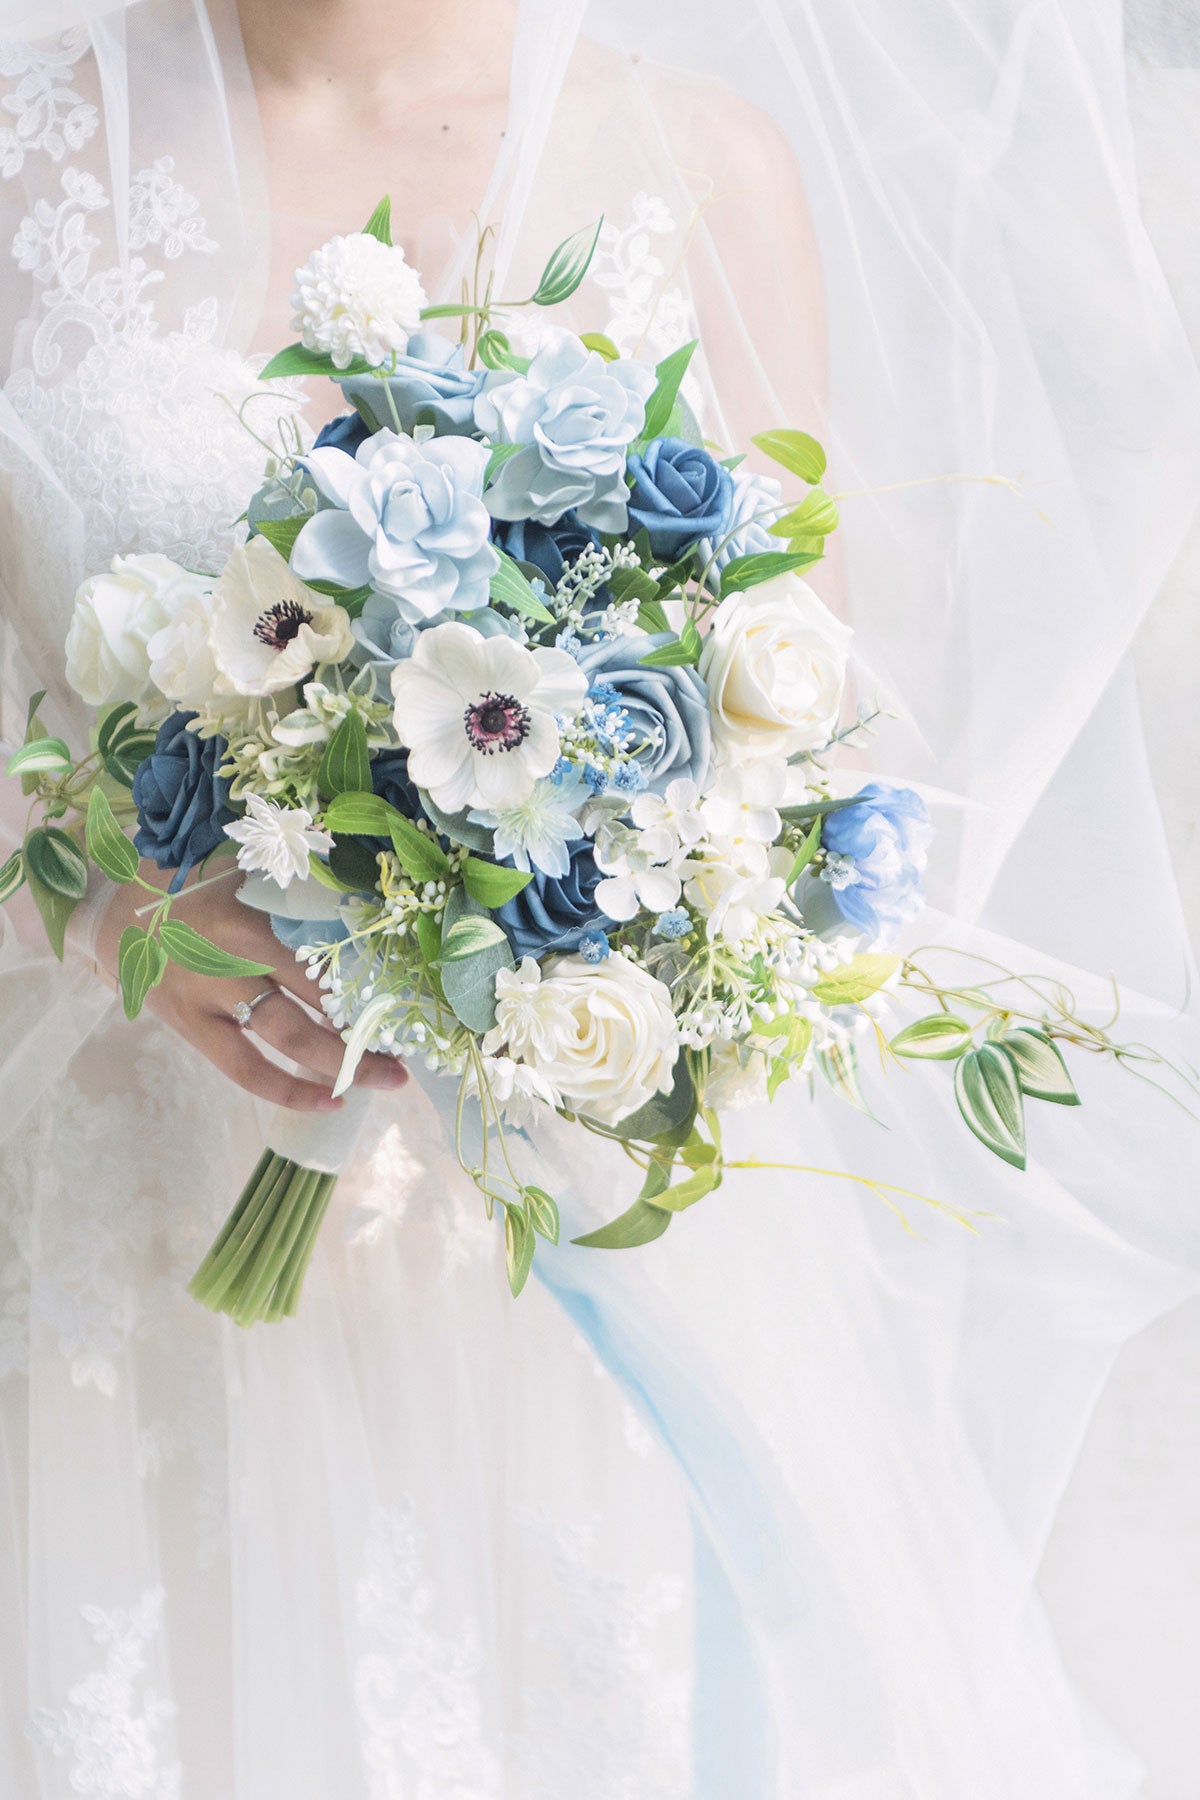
296	360
686	1193
519	1245
281	534
806	852
796	451
839	1066
641	1224
989	1099
107	844
31	714
636	584
57	861
762	565
939	1038
670	371
12	876
495	352
190	950
510	588
40	756
346	764
603	346
361	814
55	909
379	225
652	618
141	961
543	1212
124	762
421	856
470	981
325	877
354	865
429	938
663	1115
468	936
567	266
816	517
678	652
856	980
351	600
491	885
458	827
1040	1068
499	456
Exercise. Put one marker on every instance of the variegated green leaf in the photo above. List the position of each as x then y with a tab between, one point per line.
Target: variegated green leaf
989	1099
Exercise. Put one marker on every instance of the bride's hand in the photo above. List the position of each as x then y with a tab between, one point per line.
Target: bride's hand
200	1007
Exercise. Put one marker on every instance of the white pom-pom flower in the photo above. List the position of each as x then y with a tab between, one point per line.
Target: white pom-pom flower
356	296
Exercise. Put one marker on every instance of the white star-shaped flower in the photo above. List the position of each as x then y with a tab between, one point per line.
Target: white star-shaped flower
276	840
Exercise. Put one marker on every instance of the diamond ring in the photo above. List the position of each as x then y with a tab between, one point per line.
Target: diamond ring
243	1011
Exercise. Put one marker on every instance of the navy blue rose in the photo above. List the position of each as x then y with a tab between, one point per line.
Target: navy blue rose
182	802
666	710
344	433
554	911
429	385
548	547
680	494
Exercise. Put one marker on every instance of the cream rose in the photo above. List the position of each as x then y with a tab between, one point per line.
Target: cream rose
602	1034
775	665
116	615
182	666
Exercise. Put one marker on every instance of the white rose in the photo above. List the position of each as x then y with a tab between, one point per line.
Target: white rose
775	664
182	666
602	1034
116	614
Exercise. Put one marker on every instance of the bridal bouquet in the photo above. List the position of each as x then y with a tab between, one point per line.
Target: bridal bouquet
521	717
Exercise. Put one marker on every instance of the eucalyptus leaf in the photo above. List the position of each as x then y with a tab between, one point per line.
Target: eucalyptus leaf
187	947
939	1038
856	980
796	451
567	266
40	756
346	764
470	983
641	1224
141	961
670	371
1040	1068
468	936
989	1099
457	826
490	884
107	844
57	861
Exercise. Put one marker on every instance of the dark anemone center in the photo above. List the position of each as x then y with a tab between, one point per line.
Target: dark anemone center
279	625
496	722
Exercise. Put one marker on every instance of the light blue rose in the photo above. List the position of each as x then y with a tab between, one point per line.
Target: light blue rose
384	637
745	530
405	518
575	416
876	853
429	385
665	707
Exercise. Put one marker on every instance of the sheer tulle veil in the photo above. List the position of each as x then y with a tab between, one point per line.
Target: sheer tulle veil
873	1428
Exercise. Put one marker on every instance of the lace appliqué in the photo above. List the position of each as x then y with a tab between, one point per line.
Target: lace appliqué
112	1726
163	212
417	1693
650	308
50	116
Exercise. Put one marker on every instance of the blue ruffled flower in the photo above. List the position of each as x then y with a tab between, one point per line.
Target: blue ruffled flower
553	912
429	386
548	547
666	709
680	494
880	846
183	804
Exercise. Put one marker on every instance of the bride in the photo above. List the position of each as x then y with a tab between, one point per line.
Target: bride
754	1511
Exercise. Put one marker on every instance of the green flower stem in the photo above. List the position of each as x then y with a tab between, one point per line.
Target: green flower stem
288	1215
218	1279
286	1297
257	1264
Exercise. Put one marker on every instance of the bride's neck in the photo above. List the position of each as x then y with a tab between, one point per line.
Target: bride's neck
357	44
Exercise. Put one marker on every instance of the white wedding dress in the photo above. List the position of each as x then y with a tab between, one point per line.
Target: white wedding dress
753	1513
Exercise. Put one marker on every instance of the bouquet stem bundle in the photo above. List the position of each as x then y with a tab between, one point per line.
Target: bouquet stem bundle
256	1267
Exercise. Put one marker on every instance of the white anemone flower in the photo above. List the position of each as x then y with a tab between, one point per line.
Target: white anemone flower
276	840
357	296
480	715
268	628
536	833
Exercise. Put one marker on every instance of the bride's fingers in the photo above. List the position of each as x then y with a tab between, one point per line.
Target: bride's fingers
280	1022
231	1049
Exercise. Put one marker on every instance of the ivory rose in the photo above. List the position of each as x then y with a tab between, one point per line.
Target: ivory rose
775	665
116	614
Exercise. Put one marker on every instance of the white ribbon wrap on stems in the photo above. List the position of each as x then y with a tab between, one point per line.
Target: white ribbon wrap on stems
322	1141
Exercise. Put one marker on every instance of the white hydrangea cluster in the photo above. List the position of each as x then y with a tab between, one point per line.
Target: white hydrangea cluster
356	296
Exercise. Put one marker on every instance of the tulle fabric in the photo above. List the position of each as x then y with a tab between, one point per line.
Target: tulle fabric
756	1510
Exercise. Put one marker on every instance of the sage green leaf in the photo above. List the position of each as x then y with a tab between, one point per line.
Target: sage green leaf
346	764
107	844
190	950
35	701
543	1212
296	360
40	756
491	885
12	876
680	652
510	588
567	266
815	517
641	1224
663	1114
670	371
281	534
495	352
57	861
989	1099
686	1193
379	225
421	856
141	961
429	938
1040	1068
470	982
519	1245
796	451
603	346
939	1038
468	936
763	565
806	852
458	827
856	980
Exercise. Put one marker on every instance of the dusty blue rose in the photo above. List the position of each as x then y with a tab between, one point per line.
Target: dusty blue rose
548	547
880	845
575	417
668	705
554	911
680	494
183	804
429	386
